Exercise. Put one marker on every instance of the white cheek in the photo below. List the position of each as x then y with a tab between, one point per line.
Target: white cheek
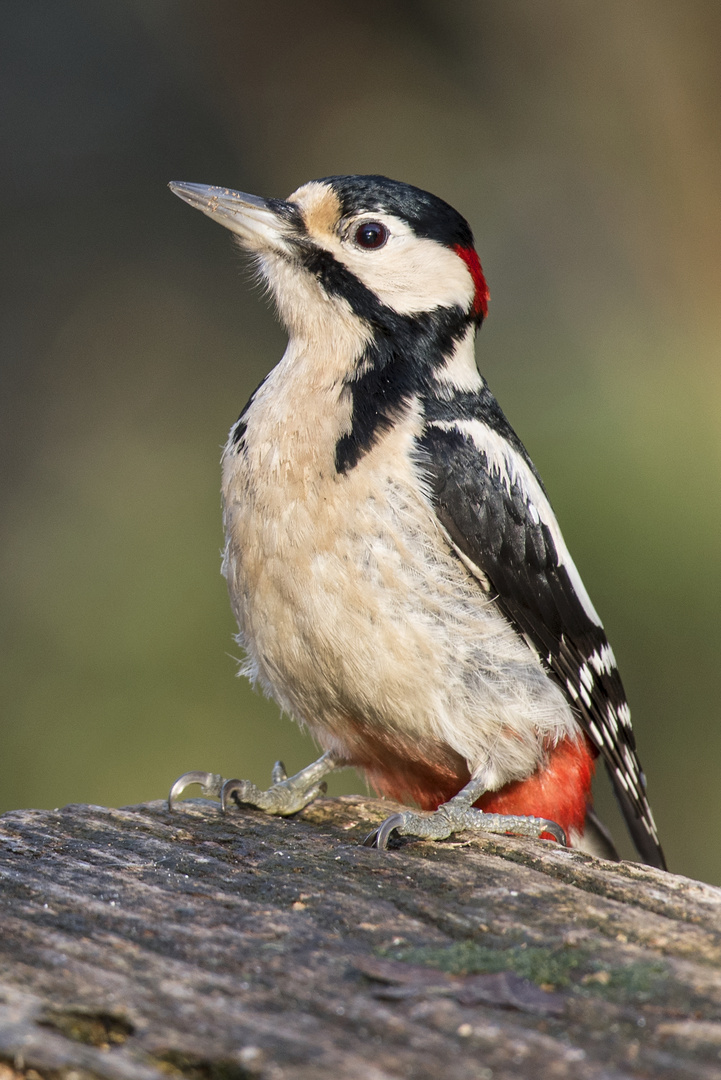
409	273
417	276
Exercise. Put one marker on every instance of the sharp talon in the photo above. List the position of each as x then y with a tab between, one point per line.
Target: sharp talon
229	789
556	832
370	840
384	832
205	779
278	774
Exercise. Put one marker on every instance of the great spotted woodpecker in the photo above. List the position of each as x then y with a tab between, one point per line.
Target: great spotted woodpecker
400	581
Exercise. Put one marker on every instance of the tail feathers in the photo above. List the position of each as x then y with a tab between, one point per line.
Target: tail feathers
647	846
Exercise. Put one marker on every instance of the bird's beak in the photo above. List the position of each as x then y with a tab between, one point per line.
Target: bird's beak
259	223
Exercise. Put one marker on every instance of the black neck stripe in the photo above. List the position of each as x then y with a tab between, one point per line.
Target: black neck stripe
396	366
398	362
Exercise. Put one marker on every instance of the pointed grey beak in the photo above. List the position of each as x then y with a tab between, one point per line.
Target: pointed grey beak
260	223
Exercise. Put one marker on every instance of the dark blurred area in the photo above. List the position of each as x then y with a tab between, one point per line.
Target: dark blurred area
582	143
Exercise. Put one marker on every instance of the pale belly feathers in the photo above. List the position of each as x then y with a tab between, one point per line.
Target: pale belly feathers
354	611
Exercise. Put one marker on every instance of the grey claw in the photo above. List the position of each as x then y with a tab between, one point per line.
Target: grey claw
279	774
205	779
556	832
383	833
230	789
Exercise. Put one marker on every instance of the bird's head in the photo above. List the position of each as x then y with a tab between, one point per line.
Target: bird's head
370	247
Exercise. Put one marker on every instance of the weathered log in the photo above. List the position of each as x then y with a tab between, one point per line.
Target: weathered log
138	944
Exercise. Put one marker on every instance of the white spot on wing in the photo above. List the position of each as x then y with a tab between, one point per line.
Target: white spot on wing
595	733
586	676
603	660
611	717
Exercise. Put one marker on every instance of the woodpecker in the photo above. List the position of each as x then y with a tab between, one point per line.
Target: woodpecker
400	582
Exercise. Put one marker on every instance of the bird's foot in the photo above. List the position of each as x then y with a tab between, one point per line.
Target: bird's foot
449	819
286	795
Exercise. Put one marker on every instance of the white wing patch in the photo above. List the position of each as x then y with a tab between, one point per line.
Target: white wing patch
513	470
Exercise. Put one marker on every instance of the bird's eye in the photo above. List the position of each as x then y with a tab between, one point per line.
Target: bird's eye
371	234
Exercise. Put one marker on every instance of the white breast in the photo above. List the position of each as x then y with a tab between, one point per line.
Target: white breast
351	603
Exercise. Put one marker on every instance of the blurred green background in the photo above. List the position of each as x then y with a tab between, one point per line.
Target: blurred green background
582	142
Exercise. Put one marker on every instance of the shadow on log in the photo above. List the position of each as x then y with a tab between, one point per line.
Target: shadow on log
140	945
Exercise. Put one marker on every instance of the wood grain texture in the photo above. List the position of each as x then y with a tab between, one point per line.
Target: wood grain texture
137	945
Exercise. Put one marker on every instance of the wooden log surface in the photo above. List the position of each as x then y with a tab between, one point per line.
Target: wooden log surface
140	945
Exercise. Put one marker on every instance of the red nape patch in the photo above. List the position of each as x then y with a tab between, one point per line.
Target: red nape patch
560	791
482	296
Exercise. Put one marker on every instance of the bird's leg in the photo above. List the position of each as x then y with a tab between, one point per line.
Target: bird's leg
286	795
460	815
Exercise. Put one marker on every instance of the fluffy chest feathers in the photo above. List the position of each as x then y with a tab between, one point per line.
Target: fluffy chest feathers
352	607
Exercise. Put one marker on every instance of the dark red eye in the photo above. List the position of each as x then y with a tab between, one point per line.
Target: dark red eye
371	234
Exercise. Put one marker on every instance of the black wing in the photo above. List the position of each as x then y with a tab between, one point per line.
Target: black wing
491	502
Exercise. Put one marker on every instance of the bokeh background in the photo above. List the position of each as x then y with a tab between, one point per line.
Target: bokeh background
581	140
